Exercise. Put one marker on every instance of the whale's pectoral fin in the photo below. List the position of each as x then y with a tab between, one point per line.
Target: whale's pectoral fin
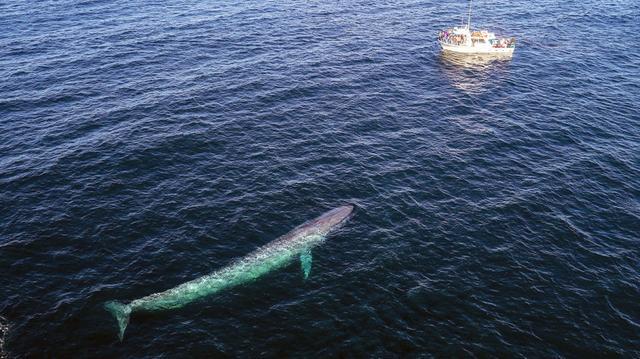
305	261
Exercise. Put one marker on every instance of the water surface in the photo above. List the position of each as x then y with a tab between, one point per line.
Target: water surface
146	144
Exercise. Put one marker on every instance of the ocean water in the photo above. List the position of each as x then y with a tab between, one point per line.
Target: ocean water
144	144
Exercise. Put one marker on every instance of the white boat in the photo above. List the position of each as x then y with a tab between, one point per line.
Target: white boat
463	40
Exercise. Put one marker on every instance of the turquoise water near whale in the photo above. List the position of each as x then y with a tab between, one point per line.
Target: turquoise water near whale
146	144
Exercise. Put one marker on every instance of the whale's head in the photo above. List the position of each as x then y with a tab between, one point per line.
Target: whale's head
333	219
314	231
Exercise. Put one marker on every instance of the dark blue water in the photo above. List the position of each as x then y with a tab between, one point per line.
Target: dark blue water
145	144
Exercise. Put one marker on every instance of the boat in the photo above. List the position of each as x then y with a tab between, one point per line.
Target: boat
464	40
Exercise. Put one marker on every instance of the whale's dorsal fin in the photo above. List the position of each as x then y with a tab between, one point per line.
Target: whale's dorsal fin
305	261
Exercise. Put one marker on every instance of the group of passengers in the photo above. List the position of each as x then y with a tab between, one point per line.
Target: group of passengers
459	39
501	43
451	38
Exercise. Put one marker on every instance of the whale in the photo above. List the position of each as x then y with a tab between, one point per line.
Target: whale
275	255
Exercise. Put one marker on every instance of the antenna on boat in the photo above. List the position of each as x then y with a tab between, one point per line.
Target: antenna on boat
469	18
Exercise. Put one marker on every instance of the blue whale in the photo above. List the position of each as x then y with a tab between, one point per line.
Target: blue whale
277	254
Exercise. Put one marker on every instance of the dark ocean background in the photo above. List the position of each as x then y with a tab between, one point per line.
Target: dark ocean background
144	144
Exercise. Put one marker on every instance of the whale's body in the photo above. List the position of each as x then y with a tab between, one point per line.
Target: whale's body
274	255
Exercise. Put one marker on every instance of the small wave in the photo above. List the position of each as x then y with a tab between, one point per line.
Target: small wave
4	328
473	127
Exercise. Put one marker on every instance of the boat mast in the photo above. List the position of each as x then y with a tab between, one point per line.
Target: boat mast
469	18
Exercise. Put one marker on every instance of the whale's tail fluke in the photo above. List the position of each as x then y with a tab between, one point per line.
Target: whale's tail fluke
121	312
